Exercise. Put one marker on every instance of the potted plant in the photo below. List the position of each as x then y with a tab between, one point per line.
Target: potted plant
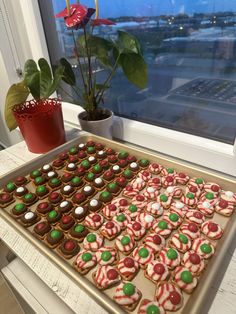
122	52
40	119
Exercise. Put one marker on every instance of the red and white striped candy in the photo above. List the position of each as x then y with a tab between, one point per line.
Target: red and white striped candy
192	182
155	182
101	277
135	232
145	175
191	230
190	202
146	304
93	246
229	196
110	210
193	189
178	244
154	242
129	191
123	299
146	220
186	287
93	223
196	246
169	296
165	172
213	201
124	223
195	216
111	250
138	184
82	265
151	193
126	270
140	201
212	230
124	248
168	181
143	261
166	204
194	262
174	191
206	208
157	271
154	209
155	168
173	224
121	203
224	208
110	232
171	263
179	208
163	232
182	178
212	187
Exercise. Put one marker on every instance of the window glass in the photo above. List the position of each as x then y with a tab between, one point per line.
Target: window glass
190	48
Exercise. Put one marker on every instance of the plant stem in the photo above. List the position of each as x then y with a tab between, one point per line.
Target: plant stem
110	76
97	9
90	85
78	59
68	7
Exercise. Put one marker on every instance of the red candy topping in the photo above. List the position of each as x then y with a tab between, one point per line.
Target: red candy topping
121	180
96	218
182	175
145	173
69	245
129	188
43	205
215	188
54	195
193	189
66	219
137	226
110	225
40	226
112	274
194	259
123	202
140	198
154	165
156	180
159	269
212	227
223	204
156	239
169	179
129	262
192	227
112	207
198	215
67	175
79	196
175	297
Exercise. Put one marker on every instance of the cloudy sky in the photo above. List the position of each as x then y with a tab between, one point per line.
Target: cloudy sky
114	8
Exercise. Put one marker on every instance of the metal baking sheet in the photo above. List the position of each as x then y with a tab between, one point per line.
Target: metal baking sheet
193	303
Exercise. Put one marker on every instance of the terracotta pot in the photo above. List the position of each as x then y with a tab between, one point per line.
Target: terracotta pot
99	127
41	124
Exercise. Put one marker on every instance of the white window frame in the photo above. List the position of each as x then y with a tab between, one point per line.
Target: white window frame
205	152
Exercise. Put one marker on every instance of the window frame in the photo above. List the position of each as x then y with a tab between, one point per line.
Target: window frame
205	152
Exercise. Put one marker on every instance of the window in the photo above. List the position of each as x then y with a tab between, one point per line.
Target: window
192	52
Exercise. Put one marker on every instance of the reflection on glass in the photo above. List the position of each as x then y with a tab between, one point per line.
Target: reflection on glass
190	49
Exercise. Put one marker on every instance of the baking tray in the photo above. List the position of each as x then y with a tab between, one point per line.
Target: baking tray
193	303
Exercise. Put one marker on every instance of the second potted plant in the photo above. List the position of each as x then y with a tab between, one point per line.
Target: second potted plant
122	52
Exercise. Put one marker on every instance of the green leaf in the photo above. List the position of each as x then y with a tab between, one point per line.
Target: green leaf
32	78
101	87
68	75
127	42
101	48
135	68
16	94
45	78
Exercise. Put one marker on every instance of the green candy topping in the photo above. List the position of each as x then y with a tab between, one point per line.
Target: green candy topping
121	218
52	214
73	150
79	228
35	173
173	217
97	168
39	180
19	207
162	225
76	180
90	176
90	149
125	240
190	196
163	198
28	196
172	254
85	164
170	170
128	289
209	196
54	181
105	194
127	172
206	248
143	252
144	162
133	208
123	154
152	309
199	181
41	189
183	238
86	257
55	234
91	237
106	256
186	276
10	186
112	185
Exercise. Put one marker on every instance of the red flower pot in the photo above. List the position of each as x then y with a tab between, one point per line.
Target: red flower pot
41	124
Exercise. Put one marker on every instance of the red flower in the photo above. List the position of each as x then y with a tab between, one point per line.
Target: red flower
99	22
78	13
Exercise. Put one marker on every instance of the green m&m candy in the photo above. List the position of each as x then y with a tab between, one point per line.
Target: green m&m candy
143	252
183	238
97	168
52	214
163	198
172	254
10	186
76	180
28	196
91	149
128	289
39	180
55	181
173	217
55	234
85	164
123	155
41	189
105	194
190	196
91	237
125	240
35	173
186	276
209	196
121	218
90	176
19	207
73	150
86	257
206	248
144	162
132	208
162	225
127	173
199	181
170	170
79	228
106	256
152	309
112	185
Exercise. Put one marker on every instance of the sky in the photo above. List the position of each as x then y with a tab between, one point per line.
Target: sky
116	8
